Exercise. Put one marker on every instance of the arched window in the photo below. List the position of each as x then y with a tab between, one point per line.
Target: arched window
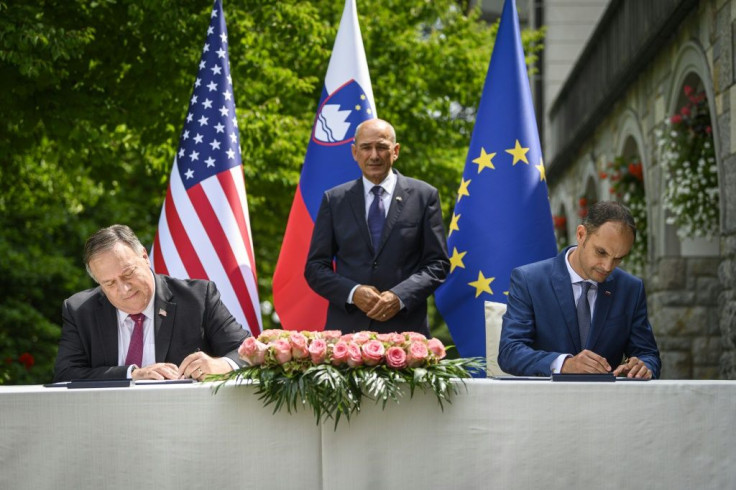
686	151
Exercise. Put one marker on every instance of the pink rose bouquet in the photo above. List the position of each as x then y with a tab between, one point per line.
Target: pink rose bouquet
298	351
331	372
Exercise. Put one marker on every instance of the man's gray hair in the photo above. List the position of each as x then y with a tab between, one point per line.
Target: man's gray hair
105	239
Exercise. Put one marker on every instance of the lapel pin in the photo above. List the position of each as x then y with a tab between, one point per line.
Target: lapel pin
607	293
161	312
398	198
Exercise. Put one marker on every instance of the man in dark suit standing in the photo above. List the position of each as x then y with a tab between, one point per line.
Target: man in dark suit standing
385	234
579	313
141	325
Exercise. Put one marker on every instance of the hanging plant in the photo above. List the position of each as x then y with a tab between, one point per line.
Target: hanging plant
626	178
687	155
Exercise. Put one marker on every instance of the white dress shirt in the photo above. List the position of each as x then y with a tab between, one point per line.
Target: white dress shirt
388	184
577	290
125	332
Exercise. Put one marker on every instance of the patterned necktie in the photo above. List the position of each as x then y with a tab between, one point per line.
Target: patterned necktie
376	216
583	308
135	350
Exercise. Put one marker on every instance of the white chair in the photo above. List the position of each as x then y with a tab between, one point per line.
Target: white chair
494	317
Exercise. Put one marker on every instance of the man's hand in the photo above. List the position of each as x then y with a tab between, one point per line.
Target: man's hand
366	297
387	306
586	362
199	365
633	368
160	370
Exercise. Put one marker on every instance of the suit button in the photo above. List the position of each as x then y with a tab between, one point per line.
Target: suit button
375	265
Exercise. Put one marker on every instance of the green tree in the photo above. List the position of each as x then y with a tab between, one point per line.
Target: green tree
96	94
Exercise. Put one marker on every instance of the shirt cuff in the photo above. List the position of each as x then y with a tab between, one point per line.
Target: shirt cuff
129	374
352	292
232	363
556	366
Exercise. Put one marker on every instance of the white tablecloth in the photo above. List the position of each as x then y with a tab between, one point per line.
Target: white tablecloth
498	434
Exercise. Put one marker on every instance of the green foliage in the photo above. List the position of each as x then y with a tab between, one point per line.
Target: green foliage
96	95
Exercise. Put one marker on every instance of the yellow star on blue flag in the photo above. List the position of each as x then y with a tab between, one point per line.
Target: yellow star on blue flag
506	219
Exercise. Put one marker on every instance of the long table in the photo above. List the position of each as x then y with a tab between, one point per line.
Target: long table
496	434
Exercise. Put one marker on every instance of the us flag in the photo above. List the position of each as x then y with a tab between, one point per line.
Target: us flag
204	228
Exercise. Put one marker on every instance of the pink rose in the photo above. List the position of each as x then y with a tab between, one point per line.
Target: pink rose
413	336
281	350
361	338
676	119
355	358
339	353
318	351
347	338
384	337
252	351
397	338
270	335
299	348
437	348
418	353
331	334
396	357
373	352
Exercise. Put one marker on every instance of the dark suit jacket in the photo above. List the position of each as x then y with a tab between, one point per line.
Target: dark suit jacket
195	319
541	321
411	259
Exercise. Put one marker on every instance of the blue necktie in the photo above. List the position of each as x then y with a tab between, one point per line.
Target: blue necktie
583	308
376	216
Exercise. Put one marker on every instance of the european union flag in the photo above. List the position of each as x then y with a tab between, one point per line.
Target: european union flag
502	217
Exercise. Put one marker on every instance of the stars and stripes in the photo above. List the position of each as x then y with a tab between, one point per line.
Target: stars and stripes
204	228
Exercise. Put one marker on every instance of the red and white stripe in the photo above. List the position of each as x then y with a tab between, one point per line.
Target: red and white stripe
204	233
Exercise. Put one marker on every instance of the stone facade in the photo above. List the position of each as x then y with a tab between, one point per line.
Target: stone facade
691	284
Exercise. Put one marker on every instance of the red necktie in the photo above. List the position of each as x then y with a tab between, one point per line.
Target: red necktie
135	350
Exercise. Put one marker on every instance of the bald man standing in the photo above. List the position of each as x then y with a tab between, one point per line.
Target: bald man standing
384	232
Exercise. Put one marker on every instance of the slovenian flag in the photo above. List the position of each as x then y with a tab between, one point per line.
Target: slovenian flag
347	100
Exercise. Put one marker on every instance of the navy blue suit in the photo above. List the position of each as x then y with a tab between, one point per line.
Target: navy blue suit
541	321
411	259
